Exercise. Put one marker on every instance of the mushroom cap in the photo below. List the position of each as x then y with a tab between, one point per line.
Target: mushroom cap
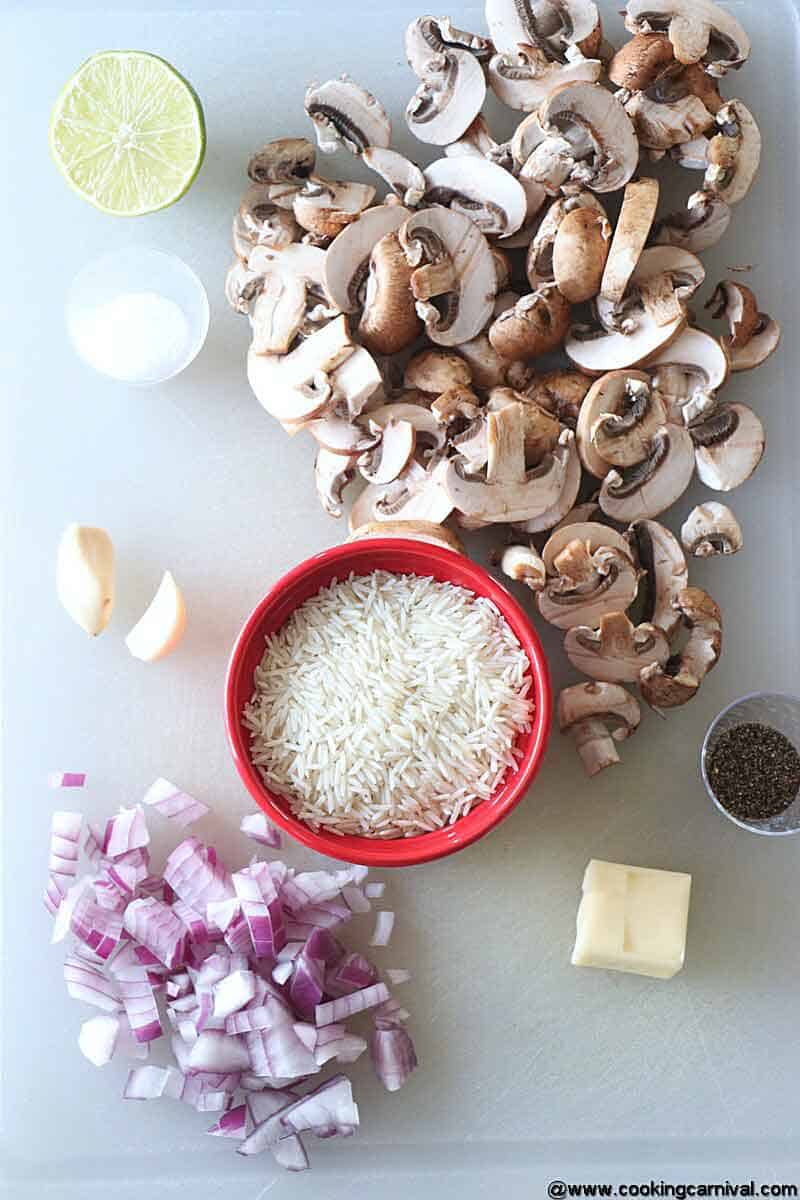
617	651
580	252
523	78
489	369
734	154
285	160
295	386
418	531
701	361
635	220
539	264
607	395
598	351
389	322
437	371
679	680
661	124
344	113
404	177
704	223
347	257
560	392
448	99
711	529
623	439
662	571
610	586
593	535
729	445
487	194
441	235
537	324
739	306
552	26
324	206
653	485
691	26
598	129
416	495
762	344
389	458
640	61
568	495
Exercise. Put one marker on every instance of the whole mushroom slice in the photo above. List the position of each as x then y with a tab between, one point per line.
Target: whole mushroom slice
338	434
666	276
346	114
589	586
569	491
437	371
635	220
539	263
753	336
323	207
621	434
404	177
560	392
389	322
580	253
242	286
592	534
347	258
663	573
537	324
448	99
617	651
677	682
523	78
654	484
596	350
429	432
734	154
688	374
510	492
487	194
554	26
729	445
306	262
417	531
451	263
591	141
704	223
696	29
524	565
416	495
332	473
428	38
274	228
762	344
286	160
667	114
392	454
296	386
638	64
278	311
598	715
541	430
711	529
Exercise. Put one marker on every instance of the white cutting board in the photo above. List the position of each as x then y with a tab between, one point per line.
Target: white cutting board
530	1069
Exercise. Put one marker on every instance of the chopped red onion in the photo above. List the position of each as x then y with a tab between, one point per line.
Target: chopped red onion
308	983
397	975
261	909
211	1101
352	974
392	1010
66	779
56	890
384	924
193	922
217	1051
233	992
231	1124
98	1038
355	899
195	875
146	1083
333	1041
278	1053
172	803
65	832
274	1011
282	973
137	995
257	827
156	927
126	831
327	1111
93	843
237	936
374	891
347	1006
69	902
98	928
392	1052
264	1104
89	983
290	1153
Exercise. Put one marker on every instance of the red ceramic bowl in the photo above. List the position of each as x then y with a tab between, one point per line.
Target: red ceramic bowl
401	556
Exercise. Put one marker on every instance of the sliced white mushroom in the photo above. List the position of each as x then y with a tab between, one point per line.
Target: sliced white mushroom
734	154
242	286
526	137
591	141
539	263
452	263
278	311
588	585
592	534
523	565
569	491
663	573
704	223
762	344
324	207
598	715
404	177
580	252
652	485
696	29
688	374
711	529
482	191
635	220
596	351
339	434
621	434
429	38
347	257
448	99
389	322
161	626
306	262
346	114
356	383
555	27
579	515
390	457
536	325
754	335
276	229
541	430
729	445
416	495
472	446
666	115
488	368
693	155
430	433
332	473
286	160
681	272
524	77
617	651
678	682
295	386
559	392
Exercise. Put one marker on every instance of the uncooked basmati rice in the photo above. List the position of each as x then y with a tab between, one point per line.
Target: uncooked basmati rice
388	705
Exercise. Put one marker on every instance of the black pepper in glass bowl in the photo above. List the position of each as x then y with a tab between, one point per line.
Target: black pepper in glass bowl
750	763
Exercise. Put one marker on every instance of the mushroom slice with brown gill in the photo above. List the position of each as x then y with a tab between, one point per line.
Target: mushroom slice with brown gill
431	435
588	585
753	336
688	374
734	154
392	453
614	393
598	715
711	529
556	27
654	484
729	445
559	392
404	177
510	492
678	681
523	78
416	495
437	371
704	223
596	350
417	531
451	92
338	434
591	141
323	207
580	252
487	194
279	309
617	651
262	224
569	491
242	286
663	573
332	473
524	565
539	263
665	278
537	324
698	29
623	438
667	113
347	257
389	322
346	114
429	38
453	279
635	220
592	534
472	446
286	160
296	386
541	429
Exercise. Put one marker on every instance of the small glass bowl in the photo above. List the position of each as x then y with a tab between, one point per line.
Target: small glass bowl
780	711
102	307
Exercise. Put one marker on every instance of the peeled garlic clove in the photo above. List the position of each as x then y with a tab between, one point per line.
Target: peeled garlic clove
159	630
85	576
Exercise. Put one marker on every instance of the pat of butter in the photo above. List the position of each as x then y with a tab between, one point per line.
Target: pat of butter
632	919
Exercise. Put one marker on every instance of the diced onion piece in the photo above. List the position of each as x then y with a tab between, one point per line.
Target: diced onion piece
353	973
98	1038
392	1053
231	1124
347	1006
126	831
233	992
98	928
355	898
194	874
88	982
327	1111
397	975
274	1011
66	779
384	924
261	830
216	1051
93	843
262	909
282	973
162	625
146	1083
156	926
374	891
65	832
278	1053
172	803
193	922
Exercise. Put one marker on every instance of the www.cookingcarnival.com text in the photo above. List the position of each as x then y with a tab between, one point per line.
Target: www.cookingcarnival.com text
558	1189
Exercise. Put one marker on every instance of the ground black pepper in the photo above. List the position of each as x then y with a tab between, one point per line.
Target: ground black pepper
754	771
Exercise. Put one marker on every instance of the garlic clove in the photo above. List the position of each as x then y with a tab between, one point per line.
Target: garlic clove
161	627
85	576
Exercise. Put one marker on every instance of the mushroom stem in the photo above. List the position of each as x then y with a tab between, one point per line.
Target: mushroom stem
595	746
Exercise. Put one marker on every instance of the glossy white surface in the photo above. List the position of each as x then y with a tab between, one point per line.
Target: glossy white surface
531	1070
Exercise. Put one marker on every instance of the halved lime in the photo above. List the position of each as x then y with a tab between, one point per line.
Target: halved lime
127	132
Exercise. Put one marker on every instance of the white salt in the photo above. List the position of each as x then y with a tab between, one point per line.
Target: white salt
138	337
